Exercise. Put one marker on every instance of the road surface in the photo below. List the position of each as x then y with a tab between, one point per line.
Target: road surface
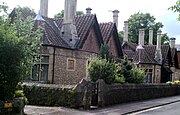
170	109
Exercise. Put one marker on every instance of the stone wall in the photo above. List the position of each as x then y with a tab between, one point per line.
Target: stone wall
62	75
156	71
91	43
122	93
113	47
175	74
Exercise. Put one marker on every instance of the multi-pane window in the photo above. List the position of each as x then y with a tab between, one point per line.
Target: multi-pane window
148	77
40	70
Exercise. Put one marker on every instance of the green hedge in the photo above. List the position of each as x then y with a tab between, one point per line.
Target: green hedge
50	96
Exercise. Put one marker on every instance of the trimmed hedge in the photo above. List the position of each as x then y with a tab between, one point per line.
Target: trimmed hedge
50	96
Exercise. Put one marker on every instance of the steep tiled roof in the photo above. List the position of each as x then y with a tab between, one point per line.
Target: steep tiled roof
148	54
83	24
53	38
174	57
109	29
129	53
151	49
143	58
50	35
129	45
23	14
106	30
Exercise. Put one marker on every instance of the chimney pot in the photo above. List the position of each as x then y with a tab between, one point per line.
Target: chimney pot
159	39
125	31
69	10
172	42
141	37
115	17
44	8
158	54
68	29
150	36
88	10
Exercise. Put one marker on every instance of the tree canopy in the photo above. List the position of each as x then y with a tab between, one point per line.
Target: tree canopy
61	14
176	8
18	49
144	21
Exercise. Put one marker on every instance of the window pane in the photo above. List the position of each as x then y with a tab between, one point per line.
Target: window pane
35	73
45	59
44	73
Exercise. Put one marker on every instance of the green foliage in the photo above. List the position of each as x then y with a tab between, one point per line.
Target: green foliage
119	79
137	75
177	82
121	36
61	14
20	93
146	21
124	69
101	69
176	8
105	53
126	72
50	96
18	46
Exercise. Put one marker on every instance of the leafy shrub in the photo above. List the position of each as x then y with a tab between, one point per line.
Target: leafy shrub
119	79
18	46
177	82
125	69
48	96
101	69
137	75
105	53
20	93
126	72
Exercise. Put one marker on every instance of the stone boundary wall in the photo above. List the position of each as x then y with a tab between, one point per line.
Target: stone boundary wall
122	93
73	96
81	94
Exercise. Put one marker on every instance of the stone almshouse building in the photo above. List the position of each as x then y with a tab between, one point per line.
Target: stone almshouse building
159	61
69	43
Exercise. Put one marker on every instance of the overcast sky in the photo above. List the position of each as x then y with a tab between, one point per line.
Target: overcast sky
103	8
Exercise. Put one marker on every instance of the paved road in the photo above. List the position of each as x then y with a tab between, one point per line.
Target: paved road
170	109
125	108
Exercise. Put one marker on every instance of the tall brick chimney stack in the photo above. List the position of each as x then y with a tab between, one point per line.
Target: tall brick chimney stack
141	37
158	54
125	31
172	42
150	36
115	17
68	29
69	10
44	8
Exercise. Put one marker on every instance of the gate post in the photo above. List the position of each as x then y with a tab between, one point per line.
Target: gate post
87	95
101	91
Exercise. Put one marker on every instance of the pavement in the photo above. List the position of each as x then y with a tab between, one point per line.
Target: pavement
120	109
